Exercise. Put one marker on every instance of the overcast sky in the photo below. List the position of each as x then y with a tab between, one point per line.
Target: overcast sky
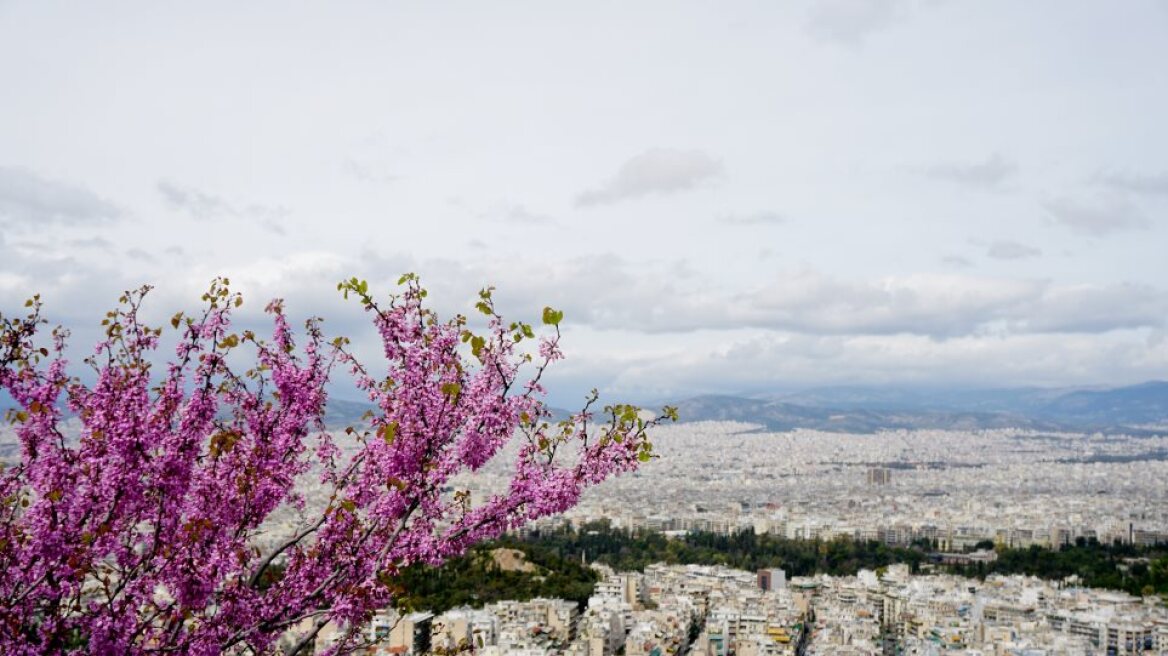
723	197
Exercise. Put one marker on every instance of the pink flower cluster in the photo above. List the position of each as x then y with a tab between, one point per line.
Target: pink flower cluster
140	537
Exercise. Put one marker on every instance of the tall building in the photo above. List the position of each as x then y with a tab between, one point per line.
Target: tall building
772	579
879	476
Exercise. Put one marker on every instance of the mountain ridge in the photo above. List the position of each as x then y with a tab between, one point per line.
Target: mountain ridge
1133	408
1139	408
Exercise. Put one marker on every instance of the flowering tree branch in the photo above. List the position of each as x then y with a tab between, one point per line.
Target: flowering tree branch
143	534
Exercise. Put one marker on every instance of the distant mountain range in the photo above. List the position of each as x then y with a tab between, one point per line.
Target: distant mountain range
1132	409
1136	408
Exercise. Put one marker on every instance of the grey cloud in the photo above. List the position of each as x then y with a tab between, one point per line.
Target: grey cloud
98	243
655	171
936	305
202	205
947	306
762	363
850	22
1011	250
367	172
26	199
66	282
196	203
939	306
521	215
867	328
139	254
957	261
1097	308
1097	218
1136	183
264	212
608	292
273	226
988	174
753	219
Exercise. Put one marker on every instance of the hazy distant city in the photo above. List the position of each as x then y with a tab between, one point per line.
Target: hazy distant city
1013	487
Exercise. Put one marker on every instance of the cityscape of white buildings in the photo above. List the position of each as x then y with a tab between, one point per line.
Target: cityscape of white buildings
714	611
1012	487
1014	615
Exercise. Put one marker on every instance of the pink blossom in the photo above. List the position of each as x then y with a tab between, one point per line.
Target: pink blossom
142	534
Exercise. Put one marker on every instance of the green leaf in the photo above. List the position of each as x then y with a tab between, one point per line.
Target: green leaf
552	317
452	390
388	432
